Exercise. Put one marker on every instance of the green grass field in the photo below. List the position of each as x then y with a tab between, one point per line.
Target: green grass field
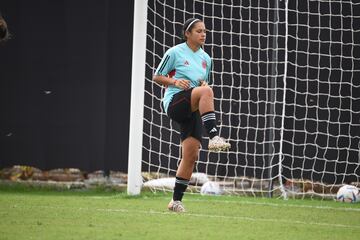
48	214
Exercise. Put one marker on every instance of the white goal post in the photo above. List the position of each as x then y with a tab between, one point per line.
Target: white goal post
137	98
286	81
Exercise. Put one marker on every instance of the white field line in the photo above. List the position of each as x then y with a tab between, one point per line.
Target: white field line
214	216
261	204
280	205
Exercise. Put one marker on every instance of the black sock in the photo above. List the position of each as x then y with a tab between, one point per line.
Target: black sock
209	121
180	187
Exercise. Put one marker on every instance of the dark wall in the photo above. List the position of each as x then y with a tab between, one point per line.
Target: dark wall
65	84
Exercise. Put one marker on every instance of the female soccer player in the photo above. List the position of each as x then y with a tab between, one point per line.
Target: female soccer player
188	100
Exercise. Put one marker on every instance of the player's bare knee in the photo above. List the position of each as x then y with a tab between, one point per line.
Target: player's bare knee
206	90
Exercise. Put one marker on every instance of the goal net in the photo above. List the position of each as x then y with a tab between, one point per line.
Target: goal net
286	80
322	112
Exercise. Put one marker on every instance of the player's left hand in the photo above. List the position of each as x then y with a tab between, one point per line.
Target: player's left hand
203	83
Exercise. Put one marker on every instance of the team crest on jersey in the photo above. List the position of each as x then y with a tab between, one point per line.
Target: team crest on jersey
204	65
186	63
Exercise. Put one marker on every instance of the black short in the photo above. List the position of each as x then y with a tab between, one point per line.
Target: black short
179	110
